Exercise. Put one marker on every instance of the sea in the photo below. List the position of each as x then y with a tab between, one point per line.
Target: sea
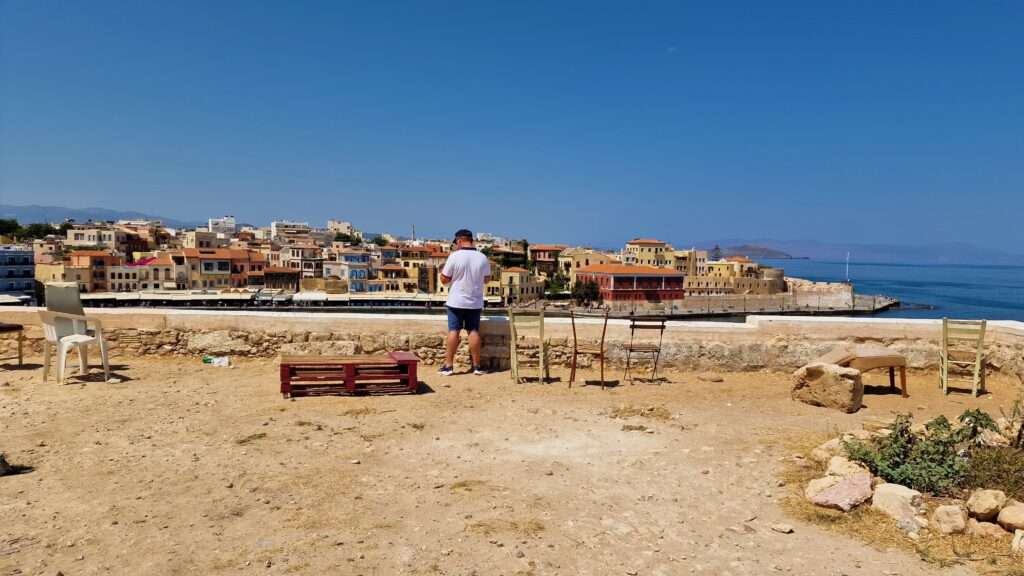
926	291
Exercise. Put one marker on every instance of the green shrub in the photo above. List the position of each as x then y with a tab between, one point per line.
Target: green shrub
996	469
935	462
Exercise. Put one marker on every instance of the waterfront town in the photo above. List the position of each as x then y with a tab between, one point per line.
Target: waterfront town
298	263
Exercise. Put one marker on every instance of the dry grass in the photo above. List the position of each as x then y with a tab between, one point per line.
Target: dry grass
525	528
652	412
358	412
986	555
251	438
468	485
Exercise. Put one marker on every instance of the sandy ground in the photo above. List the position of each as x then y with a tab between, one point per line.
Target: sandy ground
183	468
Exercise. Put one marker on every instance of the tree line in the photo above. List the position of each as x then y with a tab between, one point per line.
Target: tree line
11	227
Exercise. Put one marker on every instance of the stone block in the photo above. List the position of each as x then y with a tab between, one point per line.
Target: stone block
829	386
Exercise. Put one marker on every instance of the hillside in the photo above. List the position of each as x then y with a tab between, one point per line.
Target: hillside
32	213
754	252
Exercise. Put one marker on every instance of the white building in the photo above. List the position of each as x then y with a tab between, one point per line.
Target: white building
224	225
281	229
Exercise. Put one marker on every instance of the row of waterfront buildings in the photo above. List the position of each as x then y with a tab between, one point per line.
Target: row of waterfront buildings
292	257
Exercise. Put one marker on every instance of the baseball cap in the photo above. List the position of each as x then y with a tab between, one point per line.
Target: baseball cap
463	233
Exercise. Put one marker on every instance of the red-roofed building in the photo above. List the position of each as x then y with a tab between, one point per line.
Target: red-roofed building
545	257
622	283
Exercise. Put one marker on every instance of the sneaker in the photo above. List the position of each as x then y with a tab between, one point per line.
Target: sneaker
446	371
478	371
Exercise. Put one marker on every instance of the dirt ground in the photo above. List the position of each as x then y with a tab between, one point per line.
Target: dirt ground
182	468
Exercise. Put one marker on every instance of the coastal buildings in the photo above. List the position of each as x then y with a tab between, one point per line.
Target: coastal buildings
736	275
572	259
634	284
17	271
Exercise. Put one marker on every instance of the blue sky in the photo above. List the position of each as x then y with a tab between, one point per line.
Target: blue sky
588	122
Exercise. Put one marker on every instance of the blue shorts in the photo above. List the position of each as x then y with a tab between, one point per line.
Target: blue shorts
463	318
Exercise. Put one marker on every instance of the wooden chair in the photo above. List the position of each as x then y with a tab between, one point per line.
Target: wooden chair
526	326
598	352
963	347
645	346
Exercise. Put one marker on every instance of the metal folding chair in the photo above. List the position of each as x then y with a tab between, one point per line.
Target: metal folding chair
645	346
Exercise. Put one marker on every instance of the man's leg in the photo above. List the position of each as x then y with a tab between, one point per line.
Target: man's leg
452	346
474	347
455	322
473	327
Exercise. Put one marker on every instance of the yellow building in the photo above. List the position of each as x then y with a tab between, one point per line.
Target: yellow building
736	275
518	285
64	272
691	262
572	259
647	252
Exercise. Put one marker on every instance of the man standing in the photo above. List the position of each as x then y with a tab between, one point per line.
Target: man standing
465	273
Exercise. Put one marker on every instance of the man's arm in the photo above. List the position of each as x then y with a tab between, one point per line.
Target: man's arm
446	272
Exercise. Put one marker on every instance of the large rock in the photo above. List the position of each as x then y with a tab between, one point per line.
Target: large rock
950	519
1017	546
217	342
827	450
829	386
843	466
1011	517
986	504
899	503
840	492
5	468
985	529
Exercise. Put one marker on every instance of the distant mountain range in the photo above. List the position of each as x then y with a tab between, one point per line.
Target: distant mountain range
32	214
944	253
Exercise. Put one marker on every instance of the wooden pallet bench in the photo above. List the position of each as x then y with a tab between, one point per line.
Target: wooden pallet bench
391	373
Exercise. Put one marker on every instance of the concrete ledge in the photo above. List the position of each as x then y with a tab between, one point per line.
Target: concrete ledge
761	342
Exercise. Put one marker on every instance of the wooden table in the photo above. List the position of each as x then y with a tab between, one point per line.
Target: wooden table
391	373
6	328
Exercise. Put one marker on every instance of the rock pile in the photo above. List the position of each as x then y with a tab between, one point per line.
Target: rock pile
848	484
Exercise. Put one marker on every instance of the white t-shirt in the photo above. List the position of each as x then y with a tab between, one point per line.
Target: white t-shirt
467	269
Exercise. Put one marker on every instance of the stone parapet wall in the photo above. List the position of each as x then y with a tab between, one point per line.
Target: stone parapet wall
762	342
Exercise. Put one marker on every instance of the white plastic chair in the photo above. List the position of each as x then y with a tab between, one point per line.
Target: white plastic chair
71	333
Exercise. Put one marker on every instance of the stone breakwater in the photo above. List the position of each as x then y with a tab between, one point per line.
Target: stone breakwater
775	343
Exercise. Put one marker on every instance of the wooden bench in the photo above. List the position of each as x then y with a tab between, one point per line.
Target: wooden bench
391	373
6	328
866	357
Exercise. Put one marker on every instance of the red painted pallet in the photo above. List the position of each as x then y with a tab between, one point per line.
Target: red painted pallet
393	373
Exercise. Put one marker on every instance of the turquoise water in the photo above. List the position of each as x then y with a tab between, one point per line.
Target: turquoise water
954	291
